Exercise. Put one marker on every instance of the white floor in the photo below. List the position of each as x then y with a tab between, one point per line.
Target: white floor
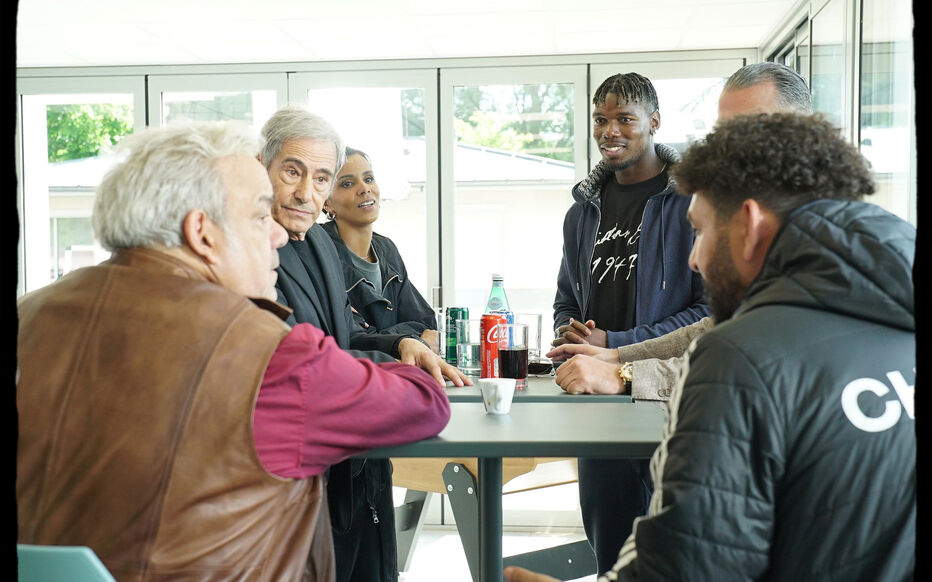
439	553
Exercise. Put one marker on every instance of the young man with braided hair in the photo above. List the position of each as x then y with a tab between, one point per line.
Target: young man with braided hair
649	368
626	245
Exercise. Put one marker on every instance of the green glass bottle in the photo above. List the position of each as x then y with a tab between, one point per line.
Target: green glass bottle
498	300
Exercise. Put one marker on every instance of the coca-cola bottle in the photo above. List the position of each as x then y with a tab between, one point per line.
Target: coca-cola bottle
498	301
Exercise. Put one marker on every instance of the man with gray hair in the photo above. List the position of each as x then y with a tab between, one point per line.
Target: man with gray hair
302	153
169	418
764	88
648	370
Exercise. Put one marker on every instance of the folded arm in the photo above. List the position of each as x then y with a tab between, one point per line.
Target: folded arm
687	316
319	405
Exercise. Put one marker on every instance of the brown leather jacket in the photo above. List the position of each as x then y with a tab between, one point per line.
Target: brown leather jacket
137	384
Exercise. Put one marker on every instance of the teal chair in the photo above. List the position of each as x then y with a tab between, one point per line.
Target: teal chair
60	564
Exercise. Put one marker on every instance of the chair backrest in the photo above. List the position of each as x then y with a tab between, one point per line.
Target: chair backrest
60	564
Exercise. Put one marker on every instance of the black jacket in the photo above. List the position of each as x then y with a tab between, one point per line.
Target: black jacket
328	308
398	307
358	490
789	451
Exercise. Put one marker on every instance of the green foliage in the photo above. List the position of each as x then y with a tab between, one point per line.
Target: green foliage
494	130
82	130
534	119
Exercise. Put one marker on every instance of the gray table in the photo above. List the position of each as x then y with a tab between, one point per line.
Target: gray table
534	429
539	389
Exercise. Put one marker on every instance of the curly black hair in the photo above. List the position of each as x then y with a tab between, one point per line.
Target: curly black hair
782	160
630	87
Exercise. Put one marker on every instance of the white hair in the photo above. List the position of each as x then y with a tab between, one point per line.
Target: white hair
166	173
296	122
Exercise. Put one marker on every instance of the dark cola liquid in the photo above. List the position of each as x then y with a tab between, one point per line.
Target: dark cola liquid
512	363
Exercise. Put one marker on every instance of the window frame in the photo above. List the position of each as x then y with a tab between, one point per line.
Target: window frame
452	77
34	237
300	83
159	84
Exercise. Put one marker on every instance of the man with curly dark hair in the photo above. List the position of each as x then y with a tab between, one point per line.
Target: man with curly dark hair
789	451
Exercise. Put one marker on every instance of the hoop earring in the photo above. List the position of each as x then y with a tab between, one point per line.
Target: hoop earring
330	214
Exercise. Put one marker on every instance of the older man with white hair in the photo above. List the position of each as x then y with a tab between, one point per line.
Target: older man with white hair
169	418
302	153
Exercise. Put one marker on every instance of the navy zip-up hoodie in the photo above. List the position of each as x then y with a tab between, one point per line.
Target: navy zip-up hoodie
669	293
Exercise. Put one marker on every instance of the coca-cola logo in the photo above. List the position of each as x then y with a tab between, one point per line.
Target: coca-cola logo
492	335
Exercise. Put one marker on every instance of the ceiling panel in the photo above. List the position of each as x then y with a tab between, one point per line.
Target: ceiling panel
52	33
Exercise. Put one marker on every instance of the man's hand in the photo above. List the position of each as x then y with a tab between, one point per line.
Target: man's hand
587	375
417	354
567	351
432	337
359	319
516	574
576	332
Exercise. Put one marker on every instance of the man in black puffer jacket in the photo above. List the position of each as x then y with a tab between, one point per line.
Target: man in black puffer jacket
789	451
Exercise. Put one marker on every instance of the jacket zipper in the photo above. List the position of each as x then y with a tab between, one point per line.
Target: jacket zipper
382	297
585	298
375	514
390	279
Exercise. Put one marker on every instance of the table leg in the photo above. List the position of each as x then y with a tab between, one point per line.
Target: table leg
490	519
409	518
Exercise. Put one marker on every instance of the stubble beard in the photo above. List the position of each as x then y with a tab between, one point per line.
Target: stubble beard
723	286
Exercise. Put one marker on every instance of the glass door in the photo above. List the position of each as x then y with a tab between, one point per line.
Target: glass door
67	130
887	104
829	68
513	143
391	115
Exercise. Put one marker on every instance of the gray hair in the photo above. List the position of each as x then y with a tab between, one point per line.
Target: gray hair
165	173
296	122
793	93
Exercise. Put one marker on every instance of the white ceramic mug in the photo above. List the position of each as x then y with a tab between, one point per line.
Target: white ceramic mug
497	394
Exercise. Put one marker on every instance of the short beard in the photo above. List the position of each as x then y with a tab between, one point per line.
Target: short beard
723	286
624	165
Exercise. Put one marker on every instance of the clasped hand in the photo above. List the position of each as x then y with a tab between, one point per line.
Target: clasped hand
577	332
587	369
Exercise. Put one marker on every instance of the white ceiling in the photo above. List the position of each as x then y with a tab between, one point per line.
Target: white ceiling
52	33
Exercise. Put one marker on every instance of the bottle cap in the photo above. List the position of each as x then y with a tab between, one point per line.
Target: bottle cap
497	277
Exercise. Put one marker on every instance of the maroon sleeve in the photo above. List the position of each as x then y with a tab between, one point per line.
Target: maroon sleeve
319	405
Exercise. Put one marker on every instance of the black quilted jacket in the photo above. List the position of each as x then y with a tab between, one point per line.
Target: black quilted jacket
790	447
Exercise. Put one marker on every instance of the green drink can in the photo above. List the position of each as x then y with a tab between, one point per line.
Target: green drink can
453	314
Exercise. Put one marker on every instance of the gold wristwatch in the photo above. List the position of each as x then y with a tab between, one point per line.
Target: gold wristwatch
624	372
